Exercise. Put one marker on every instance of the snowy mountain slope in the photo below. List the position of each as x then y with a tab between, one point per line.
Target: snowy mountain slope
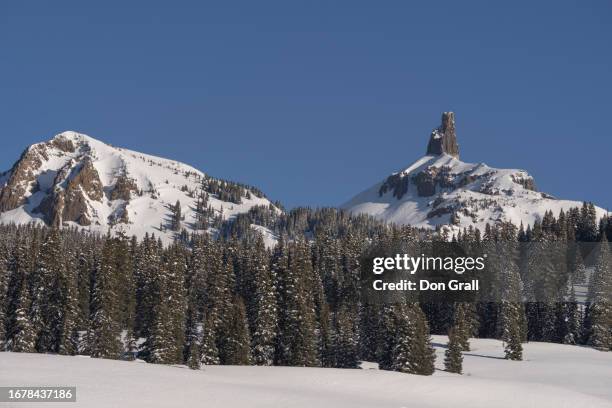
76	180
553	375
440	189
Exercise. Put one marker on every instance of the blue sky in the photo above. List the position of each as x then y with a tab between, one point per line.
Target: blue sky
313	101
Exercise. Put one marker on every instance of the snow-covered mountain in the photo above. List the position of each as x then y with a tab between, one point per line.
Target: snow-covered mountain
76	180
440	189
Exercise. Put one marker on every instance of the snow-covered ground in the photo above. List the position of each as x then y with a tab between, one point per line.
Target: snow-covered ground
551	376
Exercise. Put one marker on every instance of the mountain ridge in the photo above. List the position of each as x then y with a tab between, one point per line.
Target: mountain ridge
76	180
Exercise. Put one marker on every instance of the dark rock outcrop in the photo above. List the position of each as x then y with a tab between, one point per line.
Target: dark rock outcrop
62	143
444	138
124	186
86	177
70	203
427	180
526	182
12	195
398	183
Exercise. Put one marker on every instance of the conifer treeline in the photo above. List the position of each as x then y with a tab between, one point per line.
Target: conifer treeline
232	301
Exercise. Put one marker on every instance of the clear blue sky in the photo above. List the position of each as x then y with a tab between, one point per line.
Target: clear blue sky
313	101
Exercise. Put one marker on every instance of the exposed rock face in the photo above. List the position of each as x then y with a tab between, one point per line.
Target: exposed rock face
70	203
12	195
87	178
444	138
124	186
427	180
64	144
398	183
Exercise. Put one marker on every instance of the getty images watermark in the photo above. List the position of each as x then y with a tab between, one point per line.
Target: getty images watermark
446	272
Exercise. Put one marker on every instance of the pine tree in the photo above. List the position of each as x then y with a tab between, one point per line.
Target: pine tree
166	342
49	285
408	344
424	352
176	300
236	343
344	339
599	328
4	293
462	325
572	317
208	348
123	261
400	345
195	360
159	344
369	336
105	325
511	312
266	320
453	361
147	264
177	217
68	337
297	340
23	335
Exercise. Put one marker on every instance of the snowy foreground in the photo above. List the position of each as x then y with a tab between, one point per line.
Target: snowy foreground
552	376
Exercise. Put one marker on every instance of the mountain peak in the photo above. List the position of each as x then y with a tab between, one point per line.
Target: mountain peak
444	139
439	189
78	181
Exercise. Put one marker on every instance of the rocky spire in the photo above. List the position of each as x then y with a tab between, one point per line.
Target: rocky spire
444	139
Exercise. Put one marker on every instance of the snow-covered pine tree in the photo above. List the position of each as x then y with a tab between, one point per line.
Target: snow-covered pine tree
166	342
237	341
424	353
123	260
22	337
208	348
368	331
158	346
194	360
599	329
105	329
511	312
462	325
571	319
266	314
220	284
176	299
577	268
147	265
4	286
48	293
344	339
399	354
176	217
587	230
297	320
68	337
453	359
408	346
